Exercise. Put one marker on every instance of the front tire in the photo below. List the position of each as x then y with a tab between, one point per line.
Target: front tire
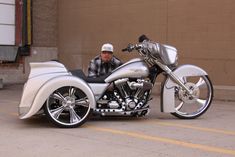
67	107
188	107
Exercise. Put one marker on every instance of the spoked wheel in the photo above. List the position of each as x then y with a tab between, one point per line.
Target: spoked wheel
67	107
192	106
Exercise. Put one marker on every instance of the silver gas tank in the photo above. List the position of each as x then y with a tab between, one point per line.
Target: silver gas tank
135	68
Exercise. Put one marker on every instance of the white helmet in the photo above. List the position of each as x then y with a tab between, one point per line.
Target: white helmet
107	47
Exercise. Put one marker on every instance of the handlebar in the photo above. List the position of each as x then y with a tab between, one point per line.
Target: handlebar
125	49
131	47
143	51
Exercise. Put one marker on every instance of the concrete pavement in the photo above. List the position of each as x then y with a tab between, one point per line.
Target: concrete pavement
158	134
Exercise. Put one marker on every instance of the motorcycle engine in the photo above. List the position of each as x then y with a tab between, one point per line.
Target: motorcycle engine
127	95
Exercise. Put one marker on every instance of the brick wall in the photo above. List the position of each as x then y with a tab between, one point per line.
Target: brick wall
44	46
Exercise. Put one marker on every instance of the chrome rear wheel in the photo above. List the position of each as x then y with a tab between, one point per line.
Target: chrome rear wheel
192	106
67	107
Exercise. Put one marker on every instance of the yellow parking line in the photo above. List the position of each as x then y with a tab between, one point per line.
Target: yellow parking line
226	132
14	114
165	140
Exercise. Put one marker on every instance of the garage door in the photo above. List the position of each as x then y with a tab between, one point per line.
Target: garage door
7	22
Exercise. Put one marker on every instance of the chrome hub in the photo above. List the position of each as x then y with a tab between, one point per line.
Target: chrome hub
189	98
69	102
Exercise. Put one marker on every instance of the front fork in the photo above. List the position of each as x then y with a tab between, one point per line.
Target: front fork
174	77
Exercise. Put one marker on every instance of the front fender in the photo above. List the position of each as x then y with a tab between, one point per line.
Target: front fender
50	86
168	90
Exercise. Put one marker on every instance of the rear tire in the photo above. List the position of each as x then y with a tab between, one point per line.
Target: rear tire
67	107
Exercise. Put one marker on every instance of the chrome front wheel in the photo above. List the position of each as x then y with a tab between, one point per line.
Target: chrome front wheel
67	107
189	106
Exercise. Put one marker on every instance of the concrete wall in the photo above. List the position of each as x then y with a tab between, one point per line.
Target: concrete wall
203	31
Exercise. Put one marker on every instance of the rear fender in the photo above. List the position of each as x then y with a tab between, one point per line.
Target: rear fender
168	88
51	85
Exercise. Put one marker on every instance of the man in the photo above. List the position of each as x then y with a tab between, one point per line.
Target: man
103	63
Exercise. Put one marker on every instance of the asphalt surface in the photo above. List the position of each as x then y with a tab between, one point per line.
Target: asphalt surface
156	135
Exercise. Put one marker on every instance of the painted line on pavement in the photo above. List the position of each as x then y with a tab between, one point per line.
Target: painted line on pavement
219	131
14	114
164	140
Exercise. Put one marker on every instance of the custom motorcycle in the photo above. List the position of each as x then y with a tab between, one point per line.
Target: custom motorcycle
68	97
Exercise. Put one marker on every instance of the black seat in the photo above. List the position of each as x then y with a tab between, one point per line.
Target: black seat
79	73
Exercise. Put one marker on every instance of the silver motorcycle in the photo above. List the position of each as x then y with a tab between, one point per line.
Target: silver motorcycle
68	97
